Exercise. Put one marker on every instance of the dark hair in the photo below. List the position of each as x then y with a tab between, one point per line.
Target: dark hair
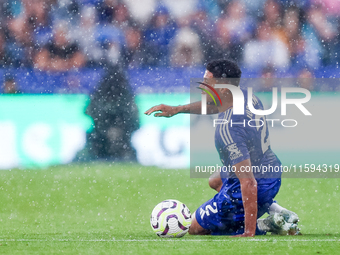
225	69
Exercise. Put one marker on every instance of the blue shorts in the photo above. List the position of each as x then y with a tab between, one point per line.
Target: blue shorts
224	213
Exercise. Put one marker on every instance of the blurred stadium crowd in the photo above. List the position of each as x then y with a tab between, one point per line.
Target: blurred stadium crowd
99	42
59	35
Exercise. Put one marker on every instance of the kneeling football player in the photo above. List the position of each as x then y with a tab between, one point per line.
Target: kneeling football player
243	195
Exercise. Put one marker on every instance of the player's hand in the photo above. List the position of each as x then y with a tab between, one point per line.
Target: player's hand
163	110
245	235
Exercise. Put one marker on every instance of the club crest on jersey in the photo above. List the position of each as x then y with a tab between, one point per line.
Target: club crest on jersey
234	151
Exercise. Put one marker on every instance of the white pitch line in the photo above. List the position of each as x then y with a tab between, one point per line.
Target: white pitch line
172	240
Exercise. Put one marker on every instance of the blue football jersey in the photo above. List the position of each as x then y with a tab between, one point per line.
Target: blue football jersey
244	137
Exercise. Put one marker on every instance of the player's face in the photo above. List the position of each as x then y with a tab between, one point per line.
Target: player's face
208	77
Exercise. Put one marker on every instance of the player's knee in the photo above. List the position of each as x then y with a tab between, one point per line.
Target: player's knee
192	231
215	183
195	232
196	229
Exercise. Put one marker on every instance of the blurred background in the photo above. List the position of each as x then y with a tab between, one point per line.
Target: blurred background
77	75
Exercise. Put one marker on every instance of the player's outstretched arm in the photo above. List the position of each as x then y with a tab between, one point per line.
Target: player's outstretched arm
163	110
249	197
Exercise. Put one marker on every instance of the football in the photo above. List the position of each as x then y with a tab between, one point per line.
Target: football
170	218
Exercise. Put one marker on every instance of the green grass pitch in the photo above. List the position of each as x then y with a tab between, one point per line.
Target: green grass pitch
105	209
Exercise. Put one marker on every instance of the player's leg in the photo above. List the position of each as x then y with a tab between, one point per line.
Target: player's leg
196	229
280	220
204	219
215	181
